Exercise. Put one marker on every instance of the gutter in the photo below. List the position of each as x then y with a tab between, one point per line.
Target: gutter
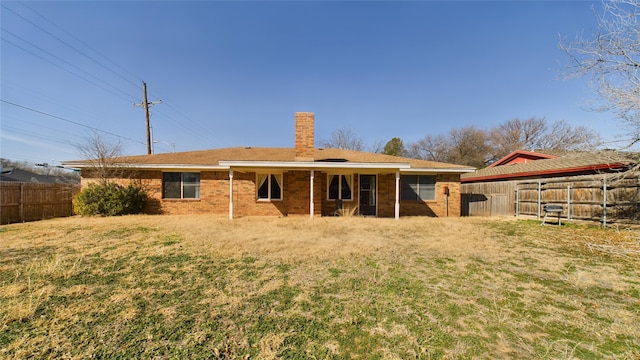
309	165
150	166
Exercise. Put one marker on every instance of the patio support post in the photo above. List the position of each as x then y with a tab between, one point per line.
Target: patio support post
311	205
397	206
230	194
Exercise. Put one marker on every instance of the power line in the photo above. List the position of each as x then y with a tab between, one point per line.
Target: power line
69	45
50	129
197	132
80	41
18	157
71	121
67	70
65	62
33	134
33	94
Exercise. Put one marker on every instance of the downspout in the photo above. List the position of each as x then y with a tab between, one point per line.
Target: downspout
311	204
230	194
397	204
446	201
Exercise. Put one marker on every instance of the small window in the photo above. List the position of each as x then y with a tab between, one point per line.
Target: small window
418	187
339	187
176	185
269	186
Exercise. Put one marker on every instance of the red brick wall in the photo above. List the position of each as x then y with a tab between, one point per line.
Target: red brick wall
214	195
329	206
387	198
387	195
439	206
295	195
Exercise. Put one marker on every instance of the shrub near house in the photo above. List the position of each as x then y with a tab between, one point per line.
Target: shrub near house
110	199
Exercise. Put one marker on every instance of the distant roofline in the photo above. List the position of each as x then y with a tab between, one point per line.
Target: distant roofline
543	172
515	153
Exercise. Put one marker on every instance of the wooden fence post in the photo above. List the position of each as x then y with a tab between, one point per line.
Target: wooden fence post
568	202
539	197
517	200
20	203
604	202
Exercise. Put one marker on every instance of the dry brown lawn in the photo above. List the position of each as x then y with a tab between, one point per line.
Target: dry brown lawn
207	287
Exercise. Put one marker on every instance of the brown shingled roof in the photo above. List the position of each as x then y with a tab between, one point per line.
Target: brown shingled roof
570	163
213	157
367	157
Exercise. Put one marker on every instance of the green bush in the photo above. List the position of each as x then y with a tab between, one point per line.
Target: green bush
110	199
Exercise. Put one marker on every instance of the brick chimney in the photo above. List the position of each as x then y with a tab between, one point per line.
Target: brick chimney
304	136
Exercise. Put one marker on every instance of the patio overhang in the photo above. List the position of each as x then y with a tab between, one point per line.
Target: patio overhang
313	165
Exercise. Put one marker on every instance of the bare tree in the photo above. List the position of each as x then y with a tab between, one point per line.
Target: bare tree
104	157
562	136
611	59
469	146
466	146
431	147
536	134
376	147
519	134
479	148
343	138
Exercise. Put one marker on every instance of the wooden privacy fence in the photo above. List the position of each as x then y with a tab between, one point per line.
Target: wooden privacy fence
590	197
603	200
20	202
488	199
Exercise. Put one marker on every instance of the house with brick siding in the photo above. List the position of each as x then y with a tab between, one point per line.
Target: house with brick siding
303	180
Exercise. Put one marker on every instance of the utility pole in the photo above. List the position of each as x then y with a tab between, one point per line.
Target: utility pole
145	104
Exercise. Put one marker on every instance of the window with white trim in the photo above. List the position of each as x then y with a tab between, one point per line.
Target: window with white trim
418	187
339	187
180	185
269	186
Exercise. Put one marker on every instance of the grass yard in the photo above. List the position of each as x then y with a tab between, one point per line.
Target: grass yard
264	288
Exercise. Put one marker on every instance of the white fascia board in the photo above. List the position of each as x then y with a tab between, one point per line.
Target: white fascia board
152	166
438	170
314	165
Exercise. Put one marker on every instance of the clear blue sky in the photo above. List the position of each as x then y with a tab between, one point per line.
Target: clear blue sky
234	73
